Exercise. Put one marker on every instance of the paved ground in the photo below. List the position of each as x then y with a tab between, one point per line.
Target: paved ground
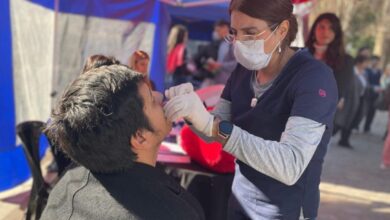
353	186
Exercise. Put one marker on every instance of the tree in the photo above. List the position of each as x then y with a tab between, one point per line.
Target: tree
382	40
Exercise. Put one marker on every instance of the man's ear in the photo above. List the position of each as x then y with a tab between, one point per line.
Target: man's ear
138	140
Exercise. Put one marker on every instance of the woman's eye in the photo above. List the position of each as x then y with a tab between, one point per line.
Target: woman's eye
232	32
251	33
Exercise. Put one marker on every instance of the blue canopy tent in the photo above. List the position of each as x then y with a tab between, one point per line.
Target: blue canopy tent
49	22
44	51
198	16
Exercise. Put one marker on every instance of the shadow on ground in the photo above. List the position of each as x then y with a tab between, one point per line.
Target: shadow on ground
353	186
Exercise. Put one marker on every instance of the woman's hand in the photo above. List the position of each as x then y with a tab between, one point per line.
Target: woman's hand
181	89
191	108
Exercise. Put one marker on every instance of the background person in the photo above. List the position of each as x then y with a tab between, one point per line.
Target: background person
275	114
177	56
216	61
361	64
373	75
325	42
385	85
364	51
139	61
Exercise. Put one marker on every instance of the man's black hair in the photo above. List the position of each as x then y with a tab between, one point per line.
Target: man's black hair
97	116
361	59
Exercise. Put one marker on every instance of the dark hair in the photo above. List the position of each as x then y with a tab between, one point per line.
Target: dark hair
363	49
96	117
271	11
375	58
181	34
221	23
335	54
361	59
177	35
98	60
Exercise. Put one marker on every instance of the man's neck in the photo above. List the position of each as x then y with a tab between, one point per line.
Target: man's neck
147	157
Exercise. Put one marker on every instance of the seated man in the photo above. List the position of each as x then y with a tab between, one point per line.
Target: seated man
111	123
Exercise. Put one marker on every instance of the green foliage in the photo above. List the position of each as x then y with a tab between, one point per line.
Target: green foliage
361	32
358	41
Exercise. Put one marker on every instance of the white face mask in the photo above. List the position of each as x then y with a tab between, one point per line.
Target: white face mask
251	53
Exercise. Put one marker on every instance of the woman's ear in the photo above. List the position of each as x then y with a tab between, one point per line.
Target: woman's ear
138	140
283	29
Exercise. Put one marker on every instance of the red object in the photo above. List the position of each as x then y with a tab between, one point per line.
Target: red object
209	155
175	58
299	1
386	147
210	95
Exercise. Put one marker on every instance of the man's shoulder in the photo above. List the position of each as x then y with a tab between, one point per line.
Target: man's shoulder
143	192
151	194
78	186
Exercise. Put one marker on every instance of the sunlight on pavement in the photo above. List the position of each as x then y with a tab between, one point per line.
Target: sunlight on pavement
382	210
341	193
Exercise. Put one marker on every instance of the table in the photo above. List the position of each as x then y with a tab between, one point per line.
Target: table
211	189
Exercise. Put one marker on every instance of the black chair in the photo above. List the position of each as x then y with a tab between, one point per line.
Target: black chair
29	133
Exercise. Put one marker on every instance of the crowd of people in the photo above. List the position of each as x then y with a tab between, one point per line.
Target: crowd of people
278	110
360	81
210	65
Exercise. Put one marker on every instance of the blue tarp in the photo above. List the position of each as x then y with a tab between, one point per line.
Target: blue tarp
212	12
13	166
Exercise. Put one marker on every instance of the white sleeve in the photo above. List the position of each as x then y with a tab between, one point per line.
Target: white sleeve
285	160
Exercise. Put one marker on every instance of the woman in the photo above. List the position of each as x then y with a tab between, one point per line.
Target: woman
176	61
275	114
385	83
139	62
325	42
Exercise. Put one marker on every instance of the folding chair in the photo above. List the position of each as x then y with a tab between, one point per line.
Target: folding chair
29	133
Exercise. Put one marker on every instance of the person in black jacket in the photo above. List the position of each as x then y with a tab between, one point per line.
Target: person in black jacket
111	124
373	75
